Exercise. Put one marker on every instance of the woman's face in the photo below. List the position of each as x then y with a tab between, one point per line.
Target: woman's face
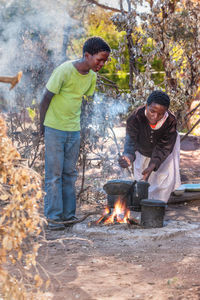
155	112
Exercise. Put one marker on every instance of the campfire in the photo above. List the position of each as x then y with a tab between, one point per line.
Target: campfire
120	214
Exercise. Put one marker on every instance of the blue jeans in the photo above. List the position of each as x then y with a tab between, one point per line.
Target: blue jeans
61	155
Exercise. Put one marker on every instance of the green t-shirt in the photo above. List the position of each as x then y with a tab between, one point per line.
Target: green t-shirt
69	86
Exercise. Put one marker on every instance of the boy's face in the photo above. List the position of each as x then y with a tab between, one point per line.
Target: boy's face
155	112
96	61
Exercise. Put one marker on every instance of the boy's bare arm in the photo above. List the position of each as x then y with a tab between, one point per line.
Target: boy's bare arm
43	108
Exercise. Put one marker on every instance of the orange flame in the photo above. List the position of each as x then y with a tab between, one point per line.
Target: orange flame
120	214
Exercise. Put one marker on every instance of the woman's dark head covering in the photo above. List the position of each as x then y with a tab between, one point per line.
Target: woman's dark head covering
159	97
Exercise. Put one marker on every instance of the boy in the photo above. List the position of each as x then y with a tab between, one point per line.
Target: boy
153	144
60	111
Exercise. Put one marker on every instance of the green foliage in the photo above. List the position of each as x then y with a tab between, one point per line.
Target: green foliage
99	23
31	113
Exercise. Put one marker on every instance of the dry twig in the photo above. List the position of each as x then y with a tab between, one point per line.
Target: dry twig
72	222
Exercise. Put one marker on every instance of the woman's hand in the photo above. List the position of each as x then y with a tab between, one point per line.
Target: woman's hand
125	160
147	172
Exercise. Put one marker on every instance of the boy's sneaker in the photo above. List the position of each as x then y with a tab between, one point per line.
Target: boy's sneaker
56	227
70	219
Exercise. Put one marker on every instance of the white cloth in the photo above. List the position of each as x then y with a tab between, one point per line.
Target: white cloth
166	179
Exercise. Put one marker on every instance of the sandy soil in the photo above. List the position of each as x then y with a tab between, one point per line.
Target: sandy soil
108	263
127	263
121	263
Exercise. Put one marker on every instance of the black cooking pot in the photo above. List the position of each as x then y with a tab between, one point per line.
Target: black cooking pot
118	187
130	191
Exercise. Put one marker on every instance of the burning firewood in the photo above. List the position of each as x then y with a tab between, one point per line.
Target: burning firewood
133	221
120	214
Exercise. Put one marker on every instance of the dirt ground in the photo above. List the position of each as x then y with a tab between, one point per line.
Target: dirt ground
122	263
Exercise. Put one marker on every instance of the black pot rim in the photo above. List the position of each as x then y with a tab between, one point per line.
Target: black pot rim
153	203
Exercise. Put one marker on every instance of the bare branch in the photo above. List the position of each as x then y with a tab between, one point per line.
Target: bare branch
106	79
105	6
121	5
98	212
12	80
193	110
129	5
198	121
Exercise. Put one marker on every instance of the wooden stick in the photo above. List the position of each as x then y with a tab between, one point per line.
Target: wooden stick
12	80
118	149
76	221
190	130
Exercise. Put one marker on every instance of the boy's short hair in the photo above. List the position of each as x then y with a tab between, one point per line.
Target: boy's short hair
95	45
159	97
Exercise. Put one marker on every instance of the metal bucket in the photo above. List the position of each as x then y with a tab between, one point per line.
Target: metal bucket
152	213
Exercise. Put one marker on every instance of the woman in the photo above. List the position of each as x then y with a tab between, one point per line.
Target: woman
153	144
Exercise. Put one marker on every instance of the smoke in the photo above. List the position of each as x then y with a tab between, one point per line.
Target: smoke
106	113
102	134
31	40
